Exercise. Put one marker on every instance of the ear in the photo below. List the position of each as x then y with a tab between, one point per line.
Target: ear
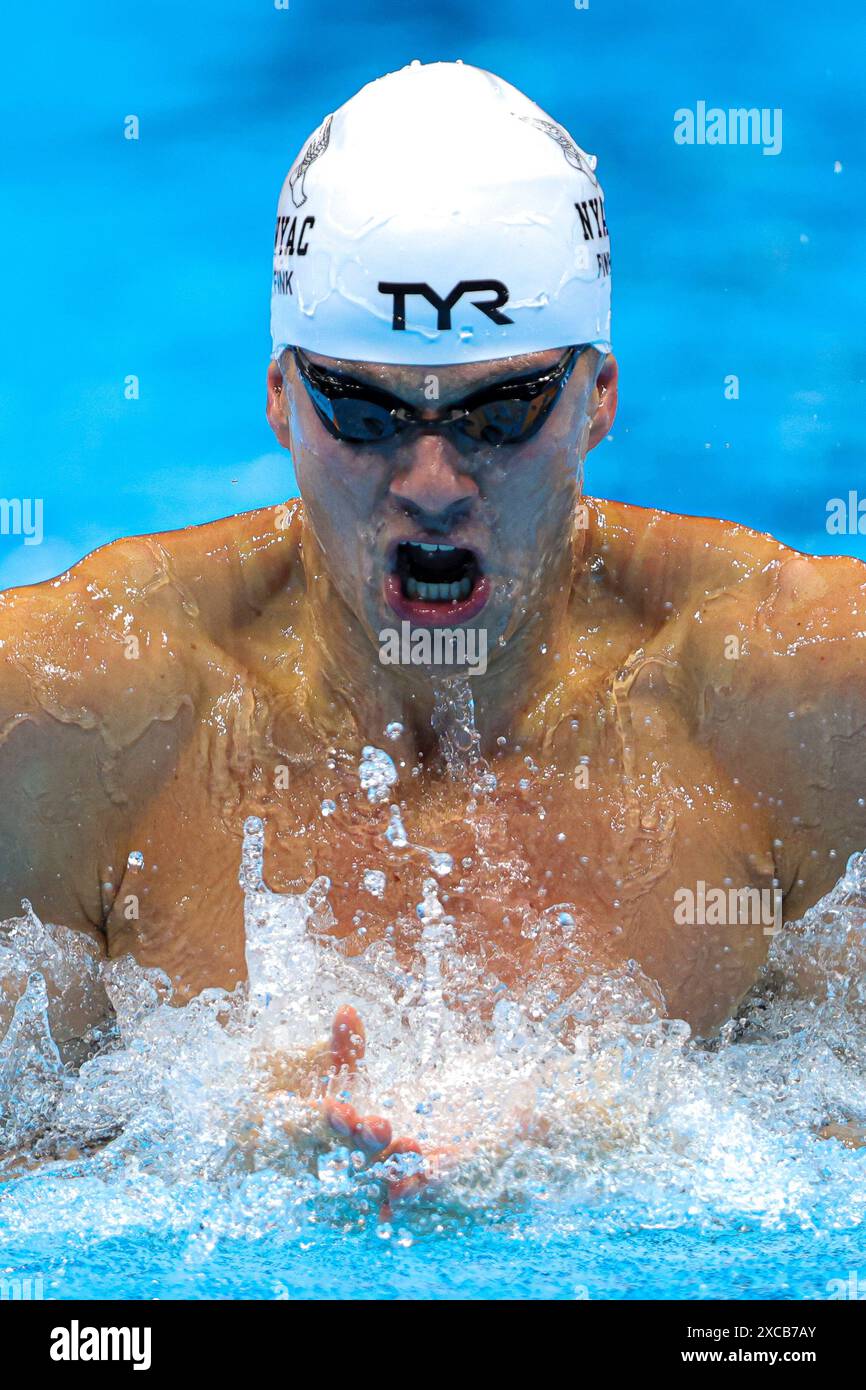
276	410
605	398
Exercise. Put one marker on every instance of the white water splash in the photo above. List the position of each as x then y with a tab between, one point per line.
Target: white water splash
593	1100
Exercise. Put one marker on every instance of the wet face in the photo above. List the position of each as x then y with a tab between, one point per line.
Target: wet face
434	526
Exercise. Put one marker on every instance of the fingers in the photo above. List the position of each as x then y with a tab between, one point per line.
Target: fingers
343	1051
375	1133
347	1039
402	1185
402	1146
341	1116
372	1133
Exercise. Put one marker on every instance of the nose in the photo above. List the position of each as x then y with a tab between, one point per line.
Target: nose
431	486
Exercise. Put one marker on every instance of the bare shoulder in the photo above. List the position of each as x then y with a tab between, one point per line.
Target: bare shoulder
694	575
106	672
155	606
763	650
664	560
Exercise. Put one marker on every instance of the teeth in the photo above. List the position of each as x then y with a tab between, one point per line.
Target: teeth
438	593
435	590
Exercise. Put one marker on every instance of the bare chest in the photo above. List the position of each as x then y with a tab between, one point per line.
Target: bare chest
546	873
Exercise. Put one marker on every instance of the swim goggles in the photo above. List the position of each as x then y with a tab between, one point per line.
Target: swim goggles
508	412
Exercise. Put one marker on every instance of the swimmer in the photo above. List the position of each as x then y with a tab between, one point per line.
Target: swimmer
664	701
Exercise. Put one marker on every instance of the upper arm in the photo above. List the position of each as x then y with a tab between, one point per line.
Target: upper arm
94	688
781	701
53	800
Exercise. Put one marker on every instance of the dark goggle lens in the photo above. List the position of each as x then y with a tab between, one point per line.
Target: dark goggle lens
352	418
508	422
355	419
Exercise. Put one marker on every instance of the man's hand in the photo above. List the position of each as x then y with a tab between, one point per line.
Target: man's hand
370	1133
334	1067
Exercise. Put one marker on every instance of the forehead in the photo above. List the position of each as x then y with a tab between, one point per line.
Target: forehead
452	381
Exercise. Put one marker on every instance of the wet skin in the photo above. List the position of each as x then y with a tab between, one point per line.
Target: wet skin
169	686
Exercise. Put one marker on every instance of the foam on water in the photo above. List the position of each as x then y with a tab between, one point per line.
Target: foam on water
593	1112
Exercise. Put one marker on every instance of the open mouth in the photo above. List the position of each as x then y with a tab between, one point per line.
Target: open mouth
435	573
432	582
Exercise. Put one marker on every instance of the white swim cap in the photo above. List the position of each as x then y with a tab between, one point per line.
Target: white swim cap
440	216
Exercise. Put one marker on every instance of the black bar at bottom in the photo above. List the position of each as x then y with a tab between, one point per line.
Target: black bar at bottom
236	1338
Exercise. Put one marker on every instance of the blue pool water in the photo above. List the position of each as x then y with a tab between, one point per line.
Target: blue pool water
517	1259
153	259
156	259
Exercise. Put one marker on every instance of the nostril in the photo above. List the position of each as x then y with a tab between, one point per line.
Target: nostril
438	520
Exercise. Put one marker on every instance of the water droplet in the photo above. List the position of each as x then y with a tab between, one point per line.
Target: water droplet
376	773
374	882
430	910
440	862
396	834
